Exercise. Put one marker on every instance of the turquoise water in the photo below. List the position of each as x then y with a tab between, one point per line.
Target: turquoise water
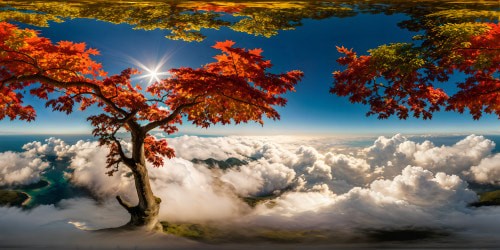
59	188
16	142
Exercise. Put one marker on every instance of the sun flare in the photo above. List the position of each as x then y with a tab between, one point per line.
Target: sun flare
152	73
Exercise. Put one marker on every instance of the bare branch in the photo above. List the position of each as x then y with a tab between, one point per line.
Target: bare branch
125	159
124	204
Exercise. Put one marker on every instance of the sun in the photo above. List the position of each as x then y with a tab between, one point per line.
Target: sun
153	73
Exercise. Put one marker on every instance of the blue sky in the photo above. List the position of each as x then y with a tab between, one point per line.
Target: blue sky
310	48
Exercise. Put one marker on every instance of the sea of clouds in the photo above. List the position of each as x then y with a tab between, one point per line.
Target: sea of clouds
395	183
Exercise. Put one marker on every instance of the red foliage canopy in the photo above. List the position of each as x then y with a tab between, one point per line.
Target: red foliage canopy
236	87
399	78
481	61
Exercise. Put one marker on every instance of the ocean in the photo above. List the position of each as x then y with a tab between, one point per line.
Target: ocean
15	142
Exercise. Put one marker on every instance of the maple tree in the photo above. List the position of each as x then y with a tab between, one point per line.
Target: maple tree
235	88
185	20
400	78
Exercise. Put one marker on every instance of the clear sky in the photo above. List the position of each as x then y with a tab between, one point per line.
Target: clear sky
310	48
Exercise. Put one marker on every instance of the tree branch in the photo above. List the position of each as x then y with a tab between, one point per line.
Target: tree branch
472	48
48	80
234	64
124	204
19	61
161	99
246	102
150	126
487	92
492	91
127	160
78	94
24	54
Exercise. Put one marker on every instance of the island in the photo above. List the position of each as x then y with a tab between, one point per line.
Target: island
13	198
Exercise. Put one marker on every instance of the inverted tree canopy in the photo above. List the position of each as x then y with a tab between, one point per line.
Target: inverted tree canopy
404	78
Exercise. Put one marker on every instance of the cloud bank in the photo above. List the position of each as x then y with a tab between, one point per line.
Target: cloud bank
26	167
393	183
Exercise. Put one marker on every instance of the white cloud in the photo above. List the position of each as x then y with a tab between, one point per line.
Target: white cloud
192	193
416	198
391	155
259	178
188	192
352	170
219	148
52	227
52	146
275	166
394	183
422	188
454	159
487	171
20	168
88	162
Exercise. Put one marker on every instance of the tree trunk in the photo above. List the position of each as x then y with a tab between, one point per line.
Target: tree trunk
145	213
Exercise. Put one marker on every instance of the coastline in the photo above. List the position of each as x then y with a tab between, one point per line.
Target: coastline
43	183
20	196
27	200
14	198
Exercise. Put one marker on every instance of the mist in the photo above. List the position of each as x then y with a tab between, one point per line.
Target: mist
352	193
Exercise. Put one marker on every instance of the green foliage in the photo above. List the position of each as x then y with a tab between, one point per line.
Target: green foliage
58	8
264	24
466	14
36	19
292	236
191	231
405	234
226	164
12	198
455	33
185	19
401	78
268	21
218	234
402	56
491	198
254	201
